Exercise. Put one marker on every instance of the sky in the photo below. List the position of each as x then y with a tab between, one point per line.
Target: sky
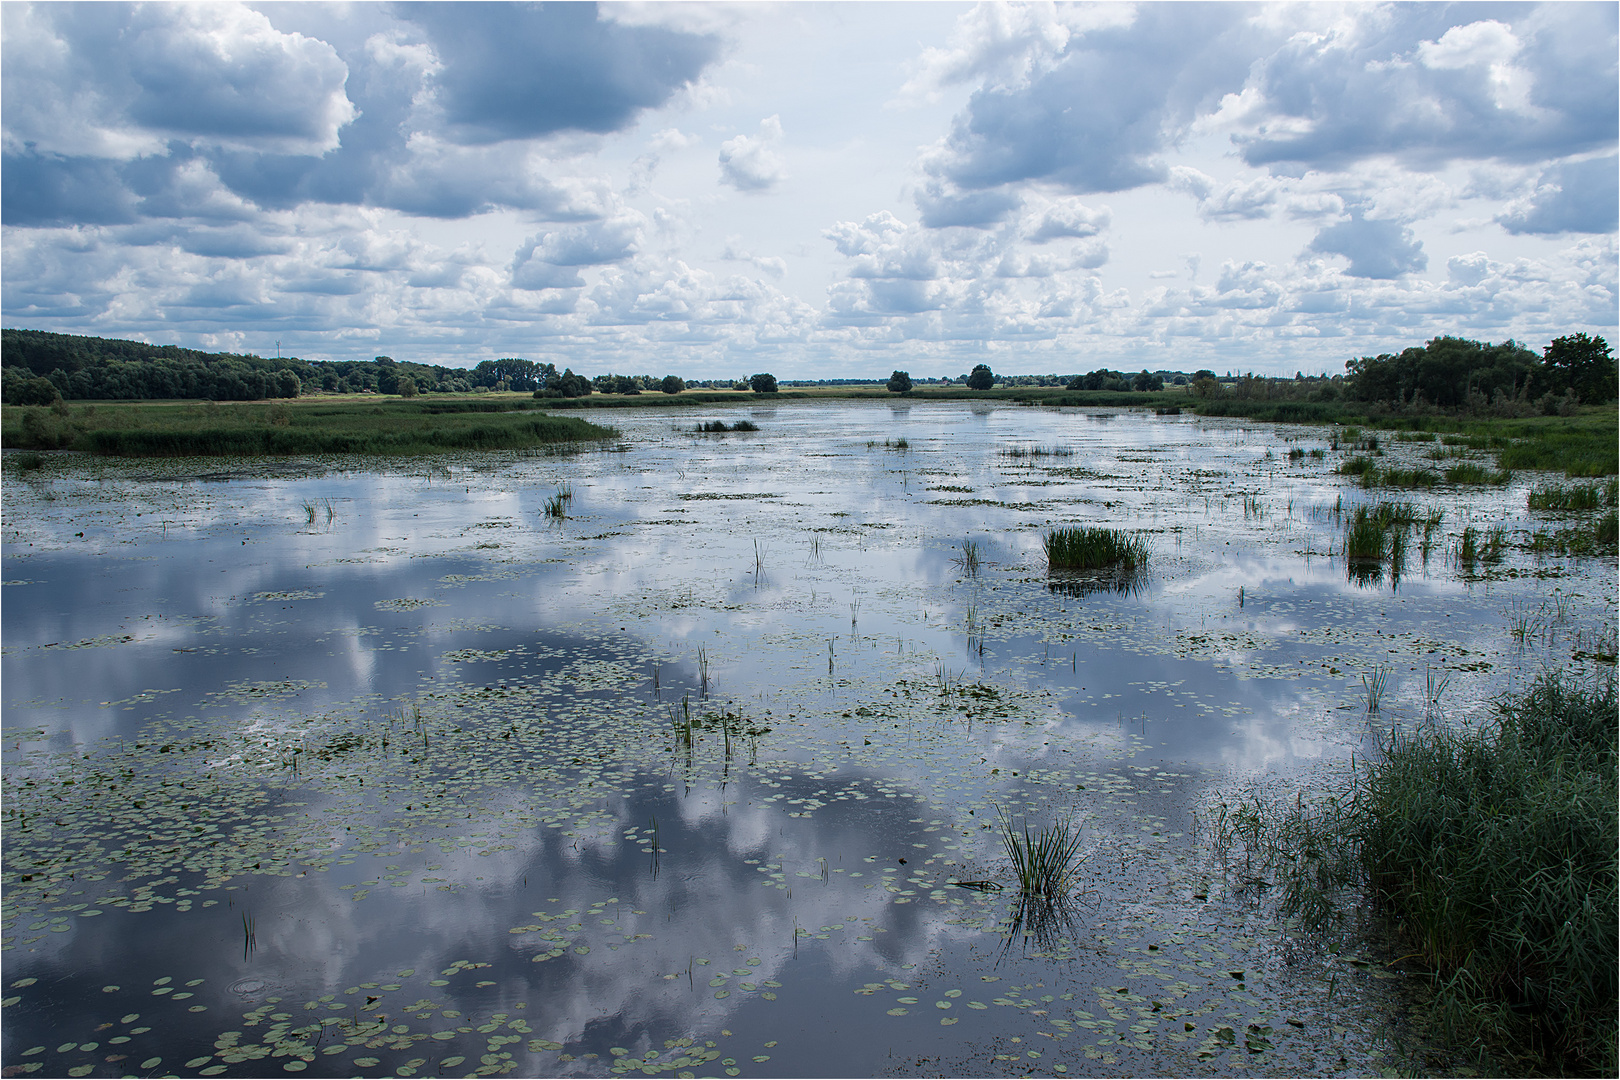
813	190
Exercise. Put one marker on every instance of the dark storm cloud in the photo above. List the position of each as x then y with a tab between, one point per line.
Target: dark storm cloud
517	71
1375	248
1577	196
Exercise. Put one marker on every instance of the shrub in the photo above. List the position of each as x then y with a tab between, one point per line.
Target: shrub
900	382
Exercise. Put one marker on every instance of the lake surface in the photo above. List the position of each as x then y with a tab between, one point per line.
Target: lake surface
352	769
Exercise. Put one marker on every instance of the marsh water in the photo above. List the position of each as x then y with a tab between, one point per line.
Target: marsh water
362	769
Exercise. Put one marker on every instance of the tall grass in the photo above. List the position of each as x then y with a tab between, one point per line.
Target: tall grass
1494	852
1471	472
1045	862
1089	548
1580	497
1491	852
968	561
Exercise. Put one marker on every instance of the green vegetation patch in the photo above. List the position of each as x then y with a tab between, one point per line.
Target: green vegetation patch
384	427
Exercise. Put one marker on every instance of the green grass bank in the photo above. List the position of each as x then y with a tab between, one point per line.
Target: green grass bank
382	426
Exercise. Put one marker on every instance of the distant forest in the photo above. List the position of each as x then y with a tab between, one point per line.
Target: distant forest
38	368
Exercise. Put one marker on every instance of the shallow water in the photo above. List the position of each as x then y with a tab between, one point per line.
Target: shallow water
352	770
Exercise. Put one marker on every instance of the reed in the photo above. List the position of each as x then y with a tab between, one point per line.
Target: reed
1579	497
1045	862
1374	688
1493	851
557	507
1471	472
1089	548
968	561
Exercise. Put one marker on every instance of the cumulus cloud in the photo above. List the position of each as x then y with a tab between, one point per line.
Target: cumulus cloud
1573	196
1098	114
1402	81
1376	248
1069	218
751	163
517	71
552	260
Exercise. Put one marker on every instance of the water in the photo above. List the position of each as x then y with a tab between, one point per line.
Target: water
369	770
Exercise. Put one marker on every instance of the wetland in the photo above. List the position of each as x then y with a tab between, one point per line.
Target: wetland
493	762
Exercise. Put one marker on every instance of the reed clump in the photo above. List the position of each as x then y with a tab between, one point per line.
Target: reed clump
1045	861
1091	548
711	427
1471	472
1579	497
1491	852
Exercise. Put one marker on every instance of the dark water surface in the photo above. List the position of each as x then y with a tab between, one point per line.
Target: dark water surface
355	770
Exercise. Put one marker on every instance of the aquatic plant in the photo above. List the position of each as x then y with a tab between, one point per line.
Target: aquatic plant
556	507
1580	497
1471	472
1045	862
968	561
1090	548
1493	851
1373	688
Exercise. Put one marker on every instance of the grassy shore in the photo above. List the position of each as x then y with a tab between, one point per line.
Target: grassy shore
1490	852
338	425
1586	444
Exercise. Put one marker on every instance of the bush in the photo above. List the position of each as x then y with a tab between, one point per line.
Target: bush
900	382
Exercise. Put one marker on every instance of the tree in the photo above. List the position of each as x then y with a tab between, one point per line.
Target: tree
1579	363
982	378
571	385
407	386
900	382
672	384
762	383
1145	381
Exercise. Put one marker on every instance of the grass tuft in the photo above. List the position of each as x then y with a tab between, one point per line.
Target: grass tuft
1089	548
1046	862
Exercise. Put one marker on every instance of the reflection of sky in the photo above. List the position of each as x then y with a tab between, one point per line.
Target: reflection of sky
220	603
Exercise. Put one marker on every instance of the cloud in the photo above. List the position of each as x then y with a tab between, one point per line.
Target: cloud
1069	218
519	71
552	260
1376	248
1573	196
1098	114
1403	81
751	163
116	79
942	209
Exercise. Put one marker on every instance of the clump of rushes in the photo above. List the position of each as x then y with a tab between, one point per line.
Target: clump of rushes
1045	862
557	506
1089	548
1470	472
1399	478
714	426
1494	852
1579	497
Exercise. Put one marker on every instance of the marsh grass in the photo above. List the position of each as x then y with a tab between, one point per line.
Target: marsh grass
1089	548
1020	453
557	507
1471	472
1376	534
315	507
1399	478
968	561
1045	862
382	427
1490	851
1374	687
714	427
1579	497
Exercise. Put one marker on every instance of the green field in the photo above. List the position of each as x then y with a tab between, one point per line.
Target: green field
316	425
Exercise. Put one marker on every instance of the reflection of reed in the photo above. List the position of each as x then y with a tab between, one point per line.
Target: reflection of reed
1126	581
1050	922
